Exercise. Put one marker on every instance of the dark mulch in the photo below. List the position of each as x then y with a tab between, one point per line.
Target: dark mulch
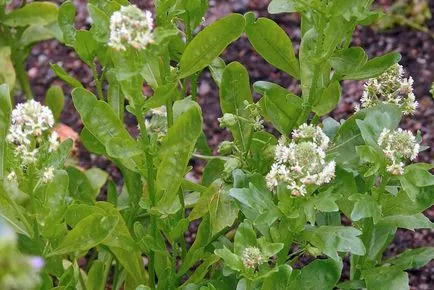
417	50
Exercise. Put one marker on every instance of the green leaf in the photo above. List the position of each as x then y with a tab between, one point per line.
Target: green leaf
349	60
333	239
7	73
64	76
66	21
278	105
273	44
100	24
412	258
210	43
278	280
5	118
95	278
328	99
386	278
222	210
35	13
79	186
217	68
326	272
411	222
55	100
88	233
231	260
37	33
175	152
365	206
374	67
97	178
194	12
234	92
245	237
86	46
282	6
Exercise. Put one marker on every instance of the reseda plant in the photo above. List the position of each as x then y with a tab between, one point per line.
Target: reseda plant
265	202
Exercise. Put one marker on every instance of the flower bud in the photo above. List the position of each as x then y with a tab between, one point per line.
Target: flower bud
228	120
226	147
252	257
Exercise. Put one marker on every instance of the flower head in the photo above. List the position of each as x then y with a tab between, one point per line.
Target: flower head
302	161
131	27
398	146
54	142
390	88
12	177
252	257
48	175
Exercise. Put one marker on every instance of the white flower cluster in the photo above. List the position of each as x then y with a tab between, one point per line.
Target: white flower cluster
301	162
48	175
252	257
398	146
390	88
29	122
130	27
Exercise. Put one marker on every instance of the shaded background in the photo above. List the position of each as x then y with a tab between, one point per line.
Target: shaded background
416	48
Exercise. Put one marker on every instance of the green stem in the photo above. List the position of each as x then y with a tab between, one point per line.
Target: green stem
97	82
207	157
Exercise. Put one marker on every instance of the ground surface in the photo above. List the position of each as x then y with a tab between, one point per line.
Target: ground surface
417	49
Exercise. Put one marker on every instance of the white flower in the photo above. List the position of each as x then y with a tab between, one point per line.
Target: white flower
391	88
53	141
48	175
398	146
12	177
302	161
130	27
252	257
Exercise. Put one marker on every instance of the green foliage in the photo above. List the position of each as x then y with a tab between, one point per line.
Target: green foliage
262	203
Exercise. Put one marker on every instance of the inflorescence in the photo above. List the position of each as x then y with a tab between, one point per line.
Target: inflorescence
131	27
398	146
301	162
252	257
390	88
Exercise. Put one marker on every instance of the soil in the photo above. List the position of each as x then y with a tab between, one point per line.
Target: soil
417	49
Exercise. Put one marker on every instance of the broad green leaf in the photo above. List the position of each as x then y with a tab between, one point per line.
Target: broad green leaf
278	105
213	170
86	46
374	67
278	280
55	100
210	43
35	13
7	73
201	271
95	278
201	207
58	157
412	258
100	24
64	76
273	44
5	118
349	60
222	210
333	239
37	33
402	204
175	152
88	233
79	186
66	21
245	237
326	272
217	68
231	260
194	12
386	278
282	6
234	93
97	178
328	100
10	213
365	206
411	222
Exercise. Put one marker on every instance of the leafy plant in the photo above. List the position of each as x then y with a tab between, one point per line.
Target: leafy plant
20	30
264	202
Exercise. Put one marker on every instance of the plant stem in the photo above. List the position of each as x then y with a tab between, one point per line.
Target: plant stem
97	82
193	86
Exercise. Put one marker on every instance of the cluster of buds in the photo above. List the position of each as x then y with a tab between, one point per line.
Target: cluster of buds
30	123
252	257
18	271
398	146
301	162
131	27
252	117
156	122
390	88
